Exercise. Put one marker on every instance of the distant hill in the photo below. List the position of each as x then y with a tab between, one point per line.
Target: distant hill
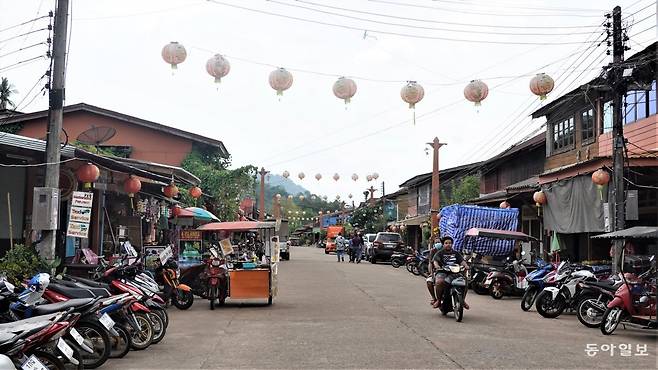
287	184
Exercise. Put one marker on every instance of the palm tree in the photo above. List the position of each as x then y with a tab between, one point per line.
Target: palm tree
6	91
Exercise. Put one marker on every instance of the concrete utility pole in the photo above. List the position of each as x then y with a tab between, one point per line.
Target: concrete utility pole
261	205
55	116
618	91
434	204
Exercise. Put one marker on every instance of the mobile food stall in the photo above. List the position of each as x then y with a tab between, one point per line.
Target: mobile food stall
251	249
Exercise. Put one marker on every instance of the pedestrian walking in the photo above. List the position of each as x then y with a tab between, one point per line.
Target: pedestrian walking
357	247
340	248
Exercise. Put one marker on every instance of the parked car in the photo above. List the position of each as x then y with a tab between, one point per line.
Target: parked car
384	245
367	244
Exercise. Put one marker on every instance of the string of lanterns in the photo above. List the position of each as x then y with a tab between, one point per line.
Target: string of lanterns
345	88
336	176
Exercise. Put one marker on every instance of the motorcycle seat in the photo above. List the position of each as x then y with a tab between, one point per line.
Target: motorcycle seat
77	292
607	285
88	282
98	292
77	303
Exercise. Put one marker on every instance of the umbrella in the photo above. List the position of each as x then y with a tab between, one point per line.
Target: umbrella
202	214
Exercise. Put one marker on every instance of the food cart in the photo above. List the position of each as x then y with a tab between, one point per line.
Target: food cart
249	277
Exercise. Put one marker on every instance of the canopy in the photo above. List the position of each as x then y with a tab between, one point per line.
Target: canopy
201	214
637	232
499	234
236	226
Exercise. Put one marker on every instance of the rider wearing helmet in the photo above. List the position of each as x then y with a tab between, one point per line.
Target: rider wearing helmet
444	258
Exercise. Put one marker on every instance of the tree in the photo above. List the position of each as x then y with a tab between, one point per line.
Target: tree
6	91
461	191
369	219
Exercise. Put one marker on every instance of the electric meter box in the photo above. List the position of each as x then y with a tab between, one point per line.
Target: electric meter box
45	209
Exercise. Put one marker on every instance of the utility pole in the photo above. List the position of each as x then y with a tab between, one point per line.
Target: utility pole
618	91
434	204
261	205
55	117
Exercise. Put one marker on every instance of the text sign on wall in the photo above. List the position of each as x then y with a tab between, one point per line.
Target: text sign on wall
80	214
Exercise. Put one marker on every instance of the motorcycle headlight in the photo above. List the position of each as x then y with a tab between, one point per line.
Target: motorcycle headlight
216	263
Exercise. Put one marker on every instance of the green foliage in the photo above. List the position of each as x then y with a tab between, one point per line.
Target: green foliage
22	262
369	219
11	128
6	91
92	149
467	188
224	186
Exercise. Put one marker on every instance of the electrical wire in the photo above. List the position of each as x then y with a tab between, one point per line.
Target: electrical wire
485	13
40	164
516	6
22	24
23	49
426	27
645	30
481	25
22	62
23	34
360	29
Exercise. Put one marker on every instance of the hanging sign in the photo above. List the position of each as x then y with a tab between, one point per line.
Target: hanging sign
80	214
190	235
165	255
82	199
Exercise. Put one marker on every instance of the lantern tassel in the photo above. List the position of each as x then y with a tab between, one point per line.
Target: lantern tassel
414	114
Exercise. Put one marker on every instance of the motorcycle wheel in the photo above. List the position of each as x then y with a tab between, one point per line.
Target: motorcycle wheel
415	270
121	344
163	315
479	289
497	290
50	361
100	343
528	299
144	337
458	306
183	300
588	306
212	298
373	260
423	270
611	319
409	267
159	328
396	263
548	307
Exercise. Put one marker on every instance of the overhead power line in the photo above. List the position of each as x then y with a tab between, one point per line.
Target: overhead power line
516	6
361	29
23	34
24	23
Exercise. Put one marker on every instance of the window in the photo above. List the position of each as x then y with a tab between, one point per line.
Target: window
607	117
563	135
639	104
652	99
587	125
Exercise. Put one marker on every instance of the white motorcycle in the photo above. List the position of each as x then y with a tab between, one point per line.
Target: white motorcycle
553	300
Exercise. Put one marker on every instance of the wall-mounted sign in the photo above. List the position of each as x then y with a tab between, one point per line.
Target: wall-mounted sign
78	230
80	214
82	199
190	235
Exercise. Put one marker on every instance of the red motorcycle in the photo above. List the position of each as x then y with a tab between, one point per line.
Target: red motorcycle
634	304
216	278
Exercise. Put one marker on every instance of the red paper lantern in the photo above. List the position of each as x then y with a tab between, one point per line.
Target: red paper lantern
601	177
195	192
504	204
87	173
132	186
170	191
176	210
539	197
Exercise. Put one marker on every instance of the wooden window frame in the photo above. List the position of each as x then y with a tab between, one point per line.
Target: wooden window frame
553	137
593	128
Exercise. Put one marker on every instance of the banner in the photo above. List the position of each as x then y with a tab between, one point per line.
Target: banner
80	214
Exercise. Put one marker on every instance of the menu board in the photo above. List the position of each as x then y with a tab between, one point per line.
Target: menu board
80	214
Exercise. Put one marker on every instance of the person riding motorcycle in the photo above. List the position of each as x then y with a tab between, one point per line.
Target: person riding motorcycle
445	257
434	248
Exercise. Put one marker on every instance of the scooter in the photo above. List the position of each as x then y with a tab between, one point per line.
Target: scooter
634	303
536	283
478	272
216	278
594	300
179	294
508	281
453	297
553	300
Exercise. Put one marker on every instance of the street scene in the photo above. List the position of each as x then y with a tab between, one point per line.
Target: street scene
295	184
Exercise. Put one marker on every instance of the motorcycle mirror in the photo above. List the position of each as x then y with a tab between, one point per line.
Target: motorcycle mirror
523	253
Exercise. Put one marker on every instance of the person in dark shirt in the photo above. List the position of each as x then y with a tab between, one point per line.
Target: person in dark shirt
444	258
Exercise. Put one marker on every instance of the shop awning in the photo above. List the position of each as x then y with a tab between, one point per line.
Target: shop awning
417	220
497	196
499	234
637	232
179	174
201	214
236	226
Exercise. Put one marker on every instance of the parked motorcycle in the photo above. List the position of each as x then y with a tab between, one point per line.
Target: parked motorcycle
536	283
478	272
453	296
553	300
594	299
507	281
634	303
179	294
399	259
216	278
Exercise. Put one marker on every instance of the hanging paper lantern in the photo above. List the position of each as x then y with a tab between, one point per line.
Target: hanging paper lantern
369	178
355	177
301	197
318	176
285	174
301	175
290	197
504	205
601	178
218	67
170	191
132	186
412	93
195	192
324	198
476	91
328	212
336	177
539	197
320	212
313	197
280	80
344	88
87	174
375	176
278	197
174	54
541	85
337	197
176	210
350	196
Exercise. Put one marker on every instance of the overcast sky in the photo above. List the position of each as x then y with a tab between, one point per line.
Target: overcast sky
115	63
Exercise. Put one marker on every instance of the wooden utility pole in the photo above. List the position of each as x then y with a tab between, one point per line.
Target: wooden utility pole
261	205
372	191
55	116
618	91
434	204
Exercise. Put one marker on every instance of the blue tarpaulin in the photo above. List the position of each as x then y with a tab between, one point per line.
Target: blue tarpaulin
456	219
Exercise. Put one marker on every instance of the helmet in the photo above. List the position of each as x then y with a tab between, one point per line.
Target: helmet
6	362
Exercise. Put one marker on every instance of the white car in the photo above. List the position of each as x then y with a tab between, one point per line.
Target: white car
367	243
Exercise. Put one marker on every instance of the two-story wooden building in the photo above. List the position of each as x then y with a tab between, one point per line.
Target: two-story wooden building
579	141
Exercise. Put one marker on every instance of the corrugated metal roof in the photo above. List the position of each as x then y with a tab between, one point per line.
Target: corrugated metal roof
527	184
639	232
36	145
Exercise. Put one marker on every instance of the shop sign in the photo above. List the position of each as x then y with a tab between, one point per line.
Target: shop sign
80	214
78	230
82	199
165	255
190	235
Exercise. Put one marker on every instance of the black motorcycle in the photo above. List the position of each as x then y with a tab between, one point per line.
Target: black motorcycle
453	297
594	300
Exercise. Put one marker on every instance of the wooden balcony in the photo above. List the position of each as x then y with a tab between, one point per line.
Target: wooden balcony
642	137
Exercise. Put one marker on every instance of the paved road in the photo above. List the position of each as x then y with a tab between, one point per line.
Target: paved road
331	315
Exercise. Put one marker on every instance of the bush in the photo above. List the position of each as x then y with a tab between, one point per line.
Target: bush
23	262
